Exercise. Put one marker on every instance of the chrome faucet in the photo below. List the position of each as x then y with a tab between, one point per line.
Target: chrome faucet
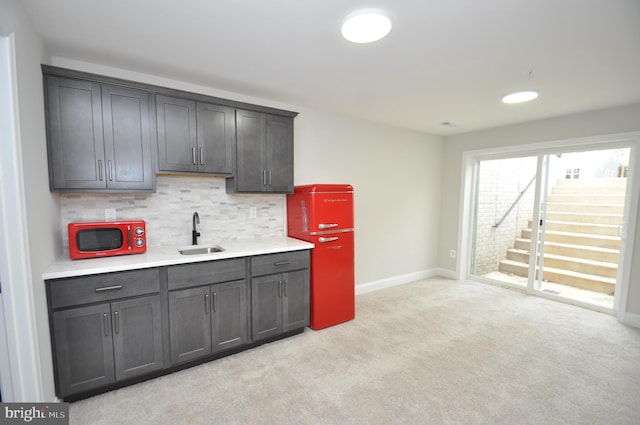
195	233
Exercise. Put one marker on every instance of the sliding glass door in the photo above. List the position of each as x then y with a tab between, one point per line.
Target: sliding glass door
504	206
581	223
552	224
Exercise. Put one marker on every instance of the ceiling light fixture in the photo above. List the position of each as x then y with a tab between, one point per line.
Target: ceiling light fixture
521	96
366	26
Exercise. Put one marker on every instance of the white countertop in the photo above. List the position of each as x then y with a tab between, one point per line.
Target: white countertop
167	256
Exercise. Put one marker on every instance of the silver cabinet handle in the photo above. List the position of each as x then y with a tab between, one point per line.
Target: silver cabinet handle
331	239
110	164
201	156
264	177
193	155
282	263
327	225
279	289
105	323
285	287
100	169
108	288
215	301
117	321
206	303
270	179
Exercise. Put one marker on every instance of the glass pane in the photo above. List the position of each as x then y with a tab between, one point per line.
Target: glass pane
504	204
99	239
581	233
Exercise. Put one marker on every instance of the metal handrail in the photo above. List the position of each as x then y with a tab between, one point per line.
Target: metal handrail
499	222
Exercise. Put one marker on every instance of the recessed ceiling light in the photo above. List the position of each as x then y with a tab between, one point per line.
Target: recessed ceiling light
519	97
365	26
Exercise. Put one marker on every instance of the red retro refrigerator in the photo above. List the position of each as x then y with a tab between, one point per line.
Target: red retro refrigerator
323	214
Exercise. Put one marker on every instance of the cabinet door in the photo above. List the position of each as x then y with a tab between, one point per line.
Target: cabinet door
280	154
251	172
266	306
75	139
83	348
229	318
137	336
216	138
176	120
127	142
189	324
296	299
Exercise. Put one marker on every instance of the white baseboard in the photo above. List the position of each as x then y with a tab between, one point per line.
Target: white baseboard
449	274
630	319
399	280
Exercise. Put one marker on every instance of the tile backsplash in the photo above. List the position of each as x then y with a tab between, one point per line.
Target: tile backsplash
169	211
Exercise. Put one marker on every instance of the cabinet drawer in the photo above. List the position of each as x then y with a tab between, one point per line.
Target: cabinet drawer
103	287
277	263
195	274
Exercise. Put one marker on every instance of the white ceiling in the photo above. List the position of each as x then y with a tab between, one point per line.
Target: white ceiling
444	60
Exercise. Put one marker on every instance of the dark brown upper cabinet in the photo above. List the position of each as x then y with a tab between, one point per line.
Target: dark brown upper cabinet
195	136
98	136
264	160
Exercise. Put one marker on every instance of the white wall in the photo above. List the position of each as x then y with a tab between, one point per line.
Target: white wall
395	173
42	212
608	121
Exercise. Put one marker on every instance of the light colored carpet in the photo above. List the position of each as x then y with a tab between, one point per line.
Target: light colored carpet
435	351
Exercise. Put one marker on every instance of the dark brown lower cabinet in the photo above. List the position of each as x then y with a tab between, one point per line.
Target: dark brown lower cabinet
100	344
207	320
109	330
280	303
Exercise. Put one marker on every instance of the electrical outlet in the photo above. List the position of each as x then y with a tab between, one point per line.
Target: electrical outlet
110	214
452	253
253	212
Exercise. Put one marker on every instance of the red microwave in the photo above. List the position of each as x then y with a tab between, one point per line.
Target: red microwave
106	238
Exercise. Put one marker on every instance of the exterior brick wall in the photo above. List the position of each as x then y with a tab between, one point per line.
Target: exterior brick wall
499	185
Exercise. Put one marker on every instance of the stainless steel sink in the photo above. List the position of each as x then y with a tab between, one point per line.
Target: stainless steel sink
197	250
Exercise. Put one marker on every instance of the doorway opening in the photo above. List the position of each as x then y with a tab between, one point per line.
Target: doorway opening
552	224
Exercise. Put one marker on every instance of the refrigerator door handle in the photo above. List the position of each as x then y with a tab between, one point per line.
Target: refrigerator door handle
331	239
327	225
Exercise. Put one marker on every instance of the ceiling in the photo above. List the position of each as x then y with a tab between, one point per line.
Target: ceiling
444	60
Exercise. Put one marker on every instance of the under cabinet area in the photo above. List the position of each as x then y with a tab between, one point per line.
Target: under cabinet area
98	136
105	328
114	329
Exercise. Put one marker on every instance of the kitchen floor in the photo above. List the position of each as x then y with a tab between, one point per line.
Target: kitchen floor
433	351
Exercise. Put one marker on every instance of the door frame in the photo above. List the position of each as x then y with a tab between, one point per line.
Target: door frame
20	372
471	158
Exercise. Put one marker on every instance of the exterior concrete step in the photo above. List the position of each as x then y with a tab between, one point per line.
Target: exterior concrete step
588	198
581	265
577	251
588	228
585	208
565	277
610	182
596	190
582	217
599	241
